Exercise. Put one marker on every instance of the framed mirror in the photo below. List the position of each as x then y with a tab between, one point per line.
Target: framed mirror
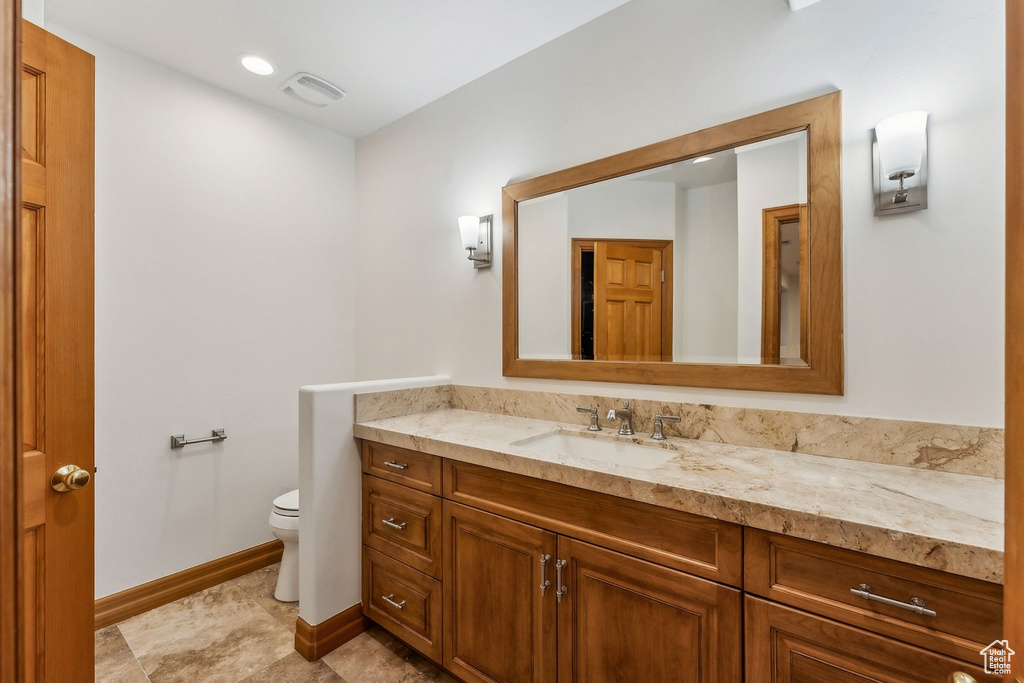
710	260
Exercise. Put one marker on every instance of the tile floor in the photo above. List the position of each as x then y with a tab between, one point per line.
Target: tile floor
237	632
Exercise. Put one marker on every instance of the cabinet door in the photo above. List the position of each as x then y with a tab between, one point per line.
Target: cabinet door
499	625
624	619
785	645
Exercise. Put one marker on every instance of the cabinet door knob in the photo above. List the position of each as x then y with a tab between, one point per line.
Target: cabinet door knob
961	677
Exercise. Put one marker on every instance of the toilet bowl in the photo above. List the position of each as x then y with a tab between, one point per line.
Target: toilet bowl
284	523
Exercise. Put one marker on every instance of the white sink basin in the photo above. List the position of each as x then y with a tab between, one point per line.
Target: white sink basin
602	450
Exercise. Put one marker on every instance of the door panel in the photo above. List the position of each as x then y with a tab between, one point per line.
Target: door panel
57	354
498	626
627	302
626	619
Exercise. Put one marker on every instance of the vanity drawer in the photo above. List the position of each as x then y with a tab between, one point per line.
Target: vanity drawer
818	578
403	523
403	601
417	470
698	545
784	645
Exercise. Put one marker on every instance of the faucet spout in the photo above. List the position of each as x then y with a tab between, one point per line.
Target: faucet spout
625	417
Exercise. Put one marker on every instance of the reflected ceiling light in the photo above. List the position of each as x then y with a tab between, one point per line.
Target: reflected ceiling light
701	160
257	65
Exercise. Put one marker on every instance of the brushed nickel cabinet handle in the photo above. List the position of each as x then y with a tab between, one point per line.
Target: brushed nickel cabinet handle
389	599
400	526
395	465
545	583
916	605
562	590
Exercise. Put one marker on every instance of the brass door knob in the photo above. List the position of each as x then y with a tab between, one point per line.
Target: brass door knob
70	478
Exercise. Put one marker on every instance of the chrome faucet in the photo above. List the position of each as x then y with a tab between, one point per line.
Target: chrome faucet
659	424
625	417
594	426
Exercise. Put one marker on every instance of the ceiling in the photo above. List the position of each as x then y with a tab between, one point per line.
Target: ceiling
390	56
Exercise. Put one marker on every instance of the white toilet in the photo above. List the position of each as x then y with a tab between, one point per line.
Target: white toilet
284	522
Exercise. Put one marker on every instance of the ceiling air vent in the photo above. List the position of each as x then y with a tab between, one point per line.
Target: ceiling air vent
312	90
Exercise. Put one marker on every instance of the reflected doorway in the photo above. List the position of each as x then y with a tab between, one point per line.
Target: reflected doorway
786	271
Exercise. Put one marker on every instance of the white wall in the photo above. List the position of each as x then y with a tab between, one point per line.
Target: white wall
923	291
545	282
706	277
224	282
768	174
32	10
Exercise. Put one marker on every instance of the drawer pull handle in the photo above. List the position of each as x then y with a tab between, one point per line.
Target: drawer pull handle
396	465
562	590
399	526
546	582
389	599
916	605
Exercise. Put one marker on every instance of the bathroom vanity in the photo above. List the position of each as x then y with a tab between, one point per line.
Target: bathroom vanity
504	560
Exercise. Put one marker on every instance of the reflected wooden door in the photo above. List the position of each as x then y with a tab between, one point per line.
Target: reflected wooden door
57	356
630	319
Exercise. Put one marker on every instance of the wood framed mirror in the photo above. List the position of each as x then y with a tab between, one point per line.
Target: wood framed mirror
713	259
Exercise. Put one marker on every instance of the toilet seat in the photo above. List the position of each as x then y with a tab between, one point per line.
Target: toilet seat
287	504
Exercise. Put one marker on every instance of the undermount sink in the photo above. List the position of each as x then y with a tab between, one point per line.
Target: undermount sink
602	450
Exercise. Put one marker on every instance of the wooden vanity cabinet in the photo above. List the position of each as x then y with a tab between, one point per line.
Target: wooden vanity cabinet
499	625
624	619
784	645
505	578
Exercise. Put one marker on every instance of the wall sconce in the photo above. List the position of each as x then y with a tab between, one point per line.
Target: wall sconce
476	237
900	154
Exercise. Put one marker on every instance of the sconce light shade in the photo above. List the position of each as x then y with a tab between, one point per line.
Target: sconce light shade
469	227
901	143
900	163
476	237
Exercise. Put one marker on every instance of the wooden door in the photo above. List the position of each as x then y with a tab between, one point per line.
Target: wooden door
629	320
785	645
624	619
57	355
500	623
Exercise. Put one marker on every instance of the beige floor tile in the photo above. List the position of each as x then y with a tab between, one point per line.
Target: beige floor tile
260	585
373	657
114	659
216	635
295	669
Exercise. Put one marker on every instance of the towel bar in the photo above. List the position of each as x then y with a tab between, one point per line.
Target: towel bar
179	440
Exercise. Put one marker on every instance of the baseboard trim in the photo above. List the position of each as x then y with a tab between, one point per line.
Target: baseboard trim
128	603
313	642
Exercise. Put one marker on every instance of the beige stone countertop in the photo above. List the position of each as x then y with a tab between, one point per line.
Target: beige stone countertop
950	522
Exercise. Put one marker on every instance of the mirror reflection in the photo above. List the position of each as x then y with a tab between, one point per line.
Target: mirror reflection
700	261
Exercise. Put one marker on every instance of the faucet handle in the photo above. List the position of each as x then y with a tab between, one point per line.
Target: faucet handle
659	423
594	426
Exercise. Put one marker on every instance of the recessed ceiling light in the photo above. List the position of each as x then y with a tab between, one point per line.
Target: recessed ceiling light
257	65
701	160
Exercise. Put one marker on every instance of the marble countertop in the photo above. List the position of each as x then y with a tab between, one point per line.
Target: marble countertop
951	522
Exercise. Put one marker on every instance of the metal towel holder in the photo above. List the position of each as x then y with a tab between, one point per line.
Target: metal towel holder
179	440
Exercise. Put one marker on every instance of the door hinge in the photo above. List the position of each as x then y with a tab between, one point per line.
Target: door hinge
663	276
